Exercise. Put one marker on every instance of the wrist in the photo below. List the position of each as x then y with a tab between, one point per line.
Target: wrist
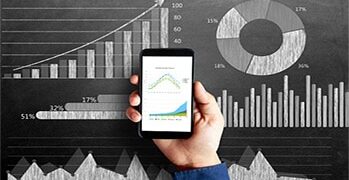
199	161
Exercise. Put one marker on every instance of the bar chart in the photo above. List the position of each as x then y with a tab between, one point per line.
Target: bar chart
104	107
111	56
317	110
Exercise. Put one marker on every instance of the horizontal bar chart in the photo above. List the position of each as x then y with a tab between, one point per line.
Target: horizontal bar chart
104	59
317	110
102	107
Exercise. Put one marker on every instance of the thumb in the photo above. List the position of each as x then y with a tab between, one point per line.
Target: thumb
205	102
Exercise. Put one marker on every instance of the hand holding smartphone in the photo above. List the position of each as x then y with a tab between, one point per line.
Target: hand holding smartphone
166	91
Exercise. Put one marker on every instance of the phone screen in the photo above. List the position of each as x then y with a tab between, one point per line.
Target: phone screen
167	93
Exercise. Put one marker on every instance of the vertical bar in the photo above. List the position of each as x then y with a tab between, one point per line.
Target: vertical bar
275	114
286	123
241	117
341	104
307	117
100	60
54	71
264	100
63	69
219	102
145	34
324	111
269	104
330	105
17	75
127	54
44	69
335	108
247	112
252	107
137	45
35	73
280	109
258	111
302	114
346	109
291	108
319	106
26	73
109	53
225	106
313	105
164	28
230	111
155	28
72	69
82	64
91	64
118	53
236	114
296	112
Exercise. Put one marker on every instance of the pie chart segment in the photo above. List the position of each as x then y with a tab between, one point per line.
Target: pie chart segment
253	9
289	52
230	25
234	54
284	17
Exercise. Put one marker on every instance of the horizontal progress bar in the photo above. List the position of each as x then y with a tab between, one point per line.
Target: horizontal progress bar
112	98
69	20
81	115
96	106
72	8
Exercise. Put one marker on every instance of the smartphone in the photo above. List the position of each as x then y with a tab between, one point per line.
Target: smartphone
166	90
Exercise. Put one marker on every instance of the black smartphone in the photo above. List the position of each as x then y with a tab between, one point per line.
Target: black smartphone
166	90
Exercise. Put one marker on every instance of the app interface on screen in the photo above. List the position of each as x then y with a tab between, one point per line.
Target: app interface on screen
166	93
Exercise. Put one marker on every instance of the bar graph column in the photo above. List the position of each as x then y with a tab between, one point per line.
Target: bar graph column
252	107
118	53
269	120
291	108
286	101
313	105
155	28
307	110
91	64
247	112
341	104
145	34
264	100
324	111
230	111
164	28
63	69
72	69
330	105
258	111
54	71
100	60
319	107
109	53
296	112
236	114
81	68
127	54
225	106
137	45
335	108
45	71
35	73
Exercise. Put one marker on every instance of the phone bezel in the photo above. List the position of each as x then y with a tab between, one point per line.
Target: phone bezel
165	52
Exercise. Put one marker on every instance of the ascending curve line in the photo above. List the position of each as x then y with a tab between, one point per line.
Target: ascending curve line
158	3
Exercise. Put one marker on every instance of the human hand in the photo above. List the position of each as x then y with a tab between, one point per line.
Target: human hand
200	150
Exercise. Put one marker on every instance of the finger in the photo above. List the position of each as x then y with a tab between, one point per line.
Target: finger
134	99
134	79
133	114
206	103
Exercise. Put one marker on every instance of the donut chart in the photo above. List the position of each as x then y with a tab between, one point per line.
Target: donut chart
229	33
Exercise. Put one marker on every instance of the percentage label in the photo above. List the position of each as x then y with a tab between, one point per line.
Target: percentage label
28	116
219	66
56	108
89	99
301	9
303	66
212	21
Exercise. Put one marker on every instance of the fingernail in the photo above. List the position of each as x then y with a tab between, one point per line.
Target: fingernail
202	87
135	116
